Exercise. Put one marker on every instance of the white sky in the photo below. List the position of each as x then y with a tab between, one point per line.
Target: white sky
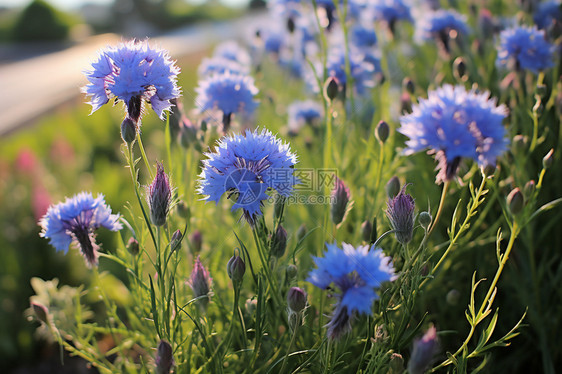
70	4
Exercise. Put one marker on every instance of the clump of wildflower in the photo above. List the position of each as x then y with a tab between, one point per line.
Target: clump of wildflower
400	213
200	282
356	272
133	73
453	124
303	113
443	25
230	93
75	221
524	48
362	69
423	352
340	198
159	197
245	167
164	358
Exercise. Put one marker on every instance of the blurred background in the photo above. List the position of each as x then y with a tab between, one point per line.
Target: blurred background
49	146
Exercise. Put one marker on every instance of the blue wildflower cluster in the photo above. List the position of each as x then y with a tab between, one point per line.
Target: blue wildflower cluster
303	113
453	124
547	13
524	48
133	73
442	25
246	167
392	11
75	221
357	273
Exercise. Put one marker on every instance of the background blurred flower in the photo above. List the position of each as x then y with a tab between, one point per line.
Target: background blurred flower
75	221
303	113
524	48
454	123
548	12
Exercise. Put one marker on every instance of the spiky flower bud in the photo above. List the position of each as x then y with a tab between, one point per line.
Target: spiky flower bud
515	201
41	312
547	160
340	200
159	196
291	271
133	246
175	242
423	352
196	241
366	230
164	358
296	299
278	242
200	282
236	268
392	187
128	130
424	218
382	131
331	88
400	213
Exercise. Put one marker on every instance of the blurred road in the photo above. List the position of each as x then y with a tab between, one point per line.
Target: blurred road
36	85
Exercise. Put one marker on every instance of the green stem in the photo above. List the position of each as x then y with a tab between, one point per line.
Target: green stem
293	338
146	163
440	209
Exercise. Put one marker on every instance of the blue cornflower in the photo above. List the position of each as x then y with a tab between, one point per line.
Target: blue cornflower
75	221
392	11
133	72
246	167
302	113
526	47
363	36
229	93
290	9
220	65
233	51
274	38
361	70
454	123
547	12
357	272
442	25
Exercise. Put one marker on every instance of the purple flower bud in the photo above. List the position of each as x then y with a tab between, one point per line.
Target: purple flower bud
200	281
41	311
196	240
382	131
408	85
279	242
459	69
236	269
164	358
529	189
423	352
400	213
340	200
515	201
159	196
175	242
331	88
133	246
366	230
296	299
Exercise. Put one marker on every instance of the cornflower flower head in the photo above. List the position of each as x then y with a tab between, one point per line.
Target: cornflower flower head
442	25
75	221
548	12
133	73
361	70
392	11
229	93
363	35
245	167
303	113
524	48
423	351
220	65
454	123
400	213
356	272
233	51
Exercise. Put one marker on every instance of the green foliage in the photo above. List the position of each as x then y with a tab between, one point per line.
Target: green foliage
40	21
